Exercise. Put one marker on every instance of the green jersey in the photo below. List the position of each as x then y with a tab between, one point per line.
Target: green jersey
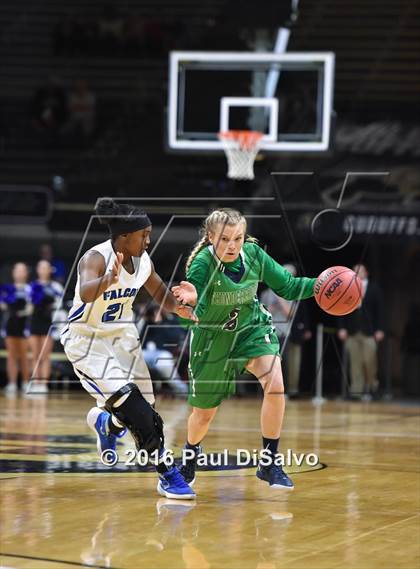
234	327
227	292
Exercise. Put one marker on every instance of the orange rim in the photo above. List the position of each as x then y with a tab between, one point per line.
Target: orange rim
246	139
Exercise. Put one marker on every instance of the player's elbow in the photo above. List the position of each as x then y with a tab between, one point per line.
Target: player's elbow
86	295
85	298
287	294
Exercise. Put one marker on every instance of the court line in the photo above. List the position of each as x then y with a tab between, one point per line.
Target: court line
49	560
351	540
10	477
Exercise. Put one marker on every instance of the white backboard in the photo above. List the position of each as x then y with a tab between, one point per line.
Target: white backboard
213	91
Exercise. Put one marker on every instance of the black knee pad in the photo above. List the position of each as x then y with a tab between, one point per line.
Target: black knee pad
143	422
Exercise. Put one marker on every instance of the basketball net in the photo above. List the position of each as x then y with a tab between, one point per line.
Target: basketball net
241	148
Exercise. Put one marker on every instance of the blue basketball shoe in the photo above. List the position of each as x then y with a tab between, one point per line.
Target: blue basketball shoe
106	442
275	476
172	485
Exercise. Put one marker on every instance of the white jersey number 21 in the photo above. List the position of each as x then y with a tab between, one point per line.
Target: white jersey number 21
111	313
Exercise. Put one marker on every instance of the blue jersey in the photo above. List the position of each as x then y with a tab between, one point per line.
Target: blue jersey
45	296
16	300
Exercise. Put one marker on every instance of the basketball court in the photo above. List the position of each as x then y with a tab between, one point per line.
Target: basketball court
357	508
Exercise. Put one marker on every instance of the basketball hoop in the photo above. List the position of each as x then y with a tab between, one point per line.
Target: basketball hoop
241	148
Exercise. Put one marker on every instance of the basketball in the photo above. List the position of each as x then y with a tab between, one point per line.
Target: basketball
338	291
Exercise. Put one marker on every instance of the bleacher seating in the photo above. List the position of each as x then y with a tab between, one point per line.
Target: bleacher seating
378	52
377	47
123	87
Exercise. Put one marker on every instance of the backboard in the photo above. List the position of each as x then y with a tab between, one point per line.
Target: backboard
288	97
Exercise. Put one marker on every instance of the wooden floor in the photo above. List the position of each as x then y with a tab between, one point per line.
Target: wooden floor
357	509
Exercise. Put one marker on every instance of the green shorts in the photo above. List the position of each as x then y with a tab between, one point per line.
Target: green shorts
218	357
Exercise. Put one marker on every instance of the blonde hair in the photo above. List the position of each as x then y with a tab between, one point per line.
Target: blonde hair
224	216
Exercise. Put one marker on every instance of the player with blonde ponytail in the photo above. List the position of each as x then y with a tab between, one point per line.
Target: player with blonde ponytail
235	332
224	216
200	244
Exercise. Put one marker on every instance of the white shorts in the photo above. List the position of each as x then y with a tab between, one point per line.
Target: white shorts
104	364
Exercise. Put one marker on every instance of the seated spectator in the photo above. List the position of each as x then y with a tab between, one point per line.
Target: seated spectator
111	29
81	110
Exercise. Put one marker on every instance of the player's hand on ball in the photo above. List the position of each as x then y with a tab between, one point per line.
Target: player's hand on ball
186	312
114	274
185	292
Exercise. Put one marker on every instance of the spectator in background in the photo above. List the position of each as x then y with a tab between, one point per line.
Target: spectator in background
45	296
81	110
15	299
289	317
58	266
299	333
111	29
161	339
281	311
361	331
49	106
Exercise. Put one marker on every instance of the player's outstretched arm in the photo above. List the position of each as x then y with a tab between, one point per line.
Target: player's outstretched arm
93	280
283	283
164	297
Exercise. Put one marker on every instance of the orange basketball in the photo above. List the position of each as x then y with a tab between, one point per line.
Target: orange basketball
338	291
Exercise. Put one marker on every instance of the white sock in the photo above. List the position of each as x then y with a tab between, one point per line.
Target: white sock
92	416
